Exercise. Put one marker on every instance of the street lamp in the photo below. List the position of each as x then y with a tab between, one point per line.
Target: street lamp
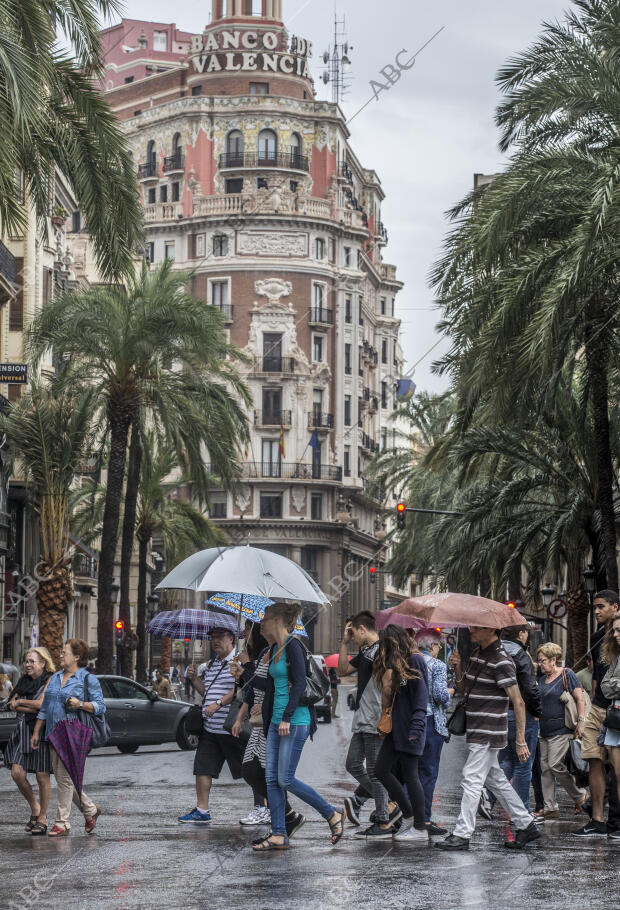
548	593
589	583
114	591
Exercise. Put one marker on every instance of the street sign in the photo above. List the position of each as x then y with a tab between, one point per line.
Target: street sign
14	373
557	609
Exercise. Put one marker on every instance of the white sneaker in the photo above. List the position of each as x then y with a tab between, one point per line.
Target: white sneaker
412	836
406	824
255	817
265	815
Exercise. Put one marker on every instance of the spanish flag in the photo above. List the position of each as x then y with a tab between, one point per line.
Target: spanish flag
281	446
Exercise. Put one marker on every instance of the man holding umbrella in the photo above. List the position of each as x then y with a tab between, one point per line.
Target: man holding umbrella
490	685
216	745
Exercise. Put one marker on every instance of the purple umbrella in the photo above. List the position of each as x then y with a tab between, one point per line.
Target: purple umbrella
186	623
71	740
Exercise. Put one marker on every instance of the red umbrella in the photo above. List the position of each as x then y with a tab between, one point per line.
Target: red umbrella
457	611
332	660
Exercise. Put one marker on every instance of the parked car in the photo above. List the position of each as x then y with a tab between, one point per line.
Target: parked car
136	715
324	707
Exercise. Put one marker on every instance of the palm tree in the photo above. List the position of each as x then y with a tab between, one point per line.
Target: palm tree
179	526
53	116
529	279
124	342
49	433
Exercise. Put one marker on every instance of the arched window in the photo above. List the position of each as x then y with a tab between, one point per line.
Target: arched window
267	147
296	150
151	159
234	148
176	143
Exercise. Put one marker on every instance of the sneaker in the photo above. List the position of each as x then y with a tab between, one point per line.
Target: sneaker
592	829
453	842
435	830
395	814
405	825
613	834
398	825
196	817
295	823
412	836
352	810
523	837
255	817
538	819
485	806
375	832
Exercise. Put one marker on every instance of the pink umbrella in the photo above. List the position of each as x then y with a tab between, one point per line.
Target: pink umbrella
393	615
452	611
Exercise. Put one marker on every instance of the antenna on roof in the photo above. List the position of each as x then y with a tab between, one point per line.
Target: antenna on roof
338	62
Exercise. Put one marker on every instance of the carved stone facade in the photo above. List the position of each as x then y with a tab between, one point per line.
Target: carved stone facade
252	183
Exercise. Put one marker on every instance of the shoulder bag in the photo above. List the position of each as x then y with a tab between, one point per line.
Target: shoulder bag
571	711
97	723
385	721
231	719
193	718
317	683
457	724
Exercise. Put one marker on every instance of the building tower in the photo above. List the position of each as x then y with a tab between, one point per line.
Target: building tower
252	183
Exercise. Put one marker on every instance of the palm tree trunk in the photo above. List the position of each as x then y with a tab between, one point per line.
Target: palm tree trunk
119	432
52	597
127	539
141	670
596	359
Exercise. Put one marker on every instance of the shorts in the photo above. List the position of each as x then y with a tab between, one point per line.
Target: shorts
591	731
213	750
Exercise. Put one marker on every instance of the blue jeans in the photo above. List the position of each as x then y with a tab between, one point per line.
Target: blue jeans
428	769
520	775
283	754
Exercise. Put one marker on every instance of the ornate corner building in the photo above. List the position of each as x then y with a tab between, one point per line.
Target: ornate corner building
252	183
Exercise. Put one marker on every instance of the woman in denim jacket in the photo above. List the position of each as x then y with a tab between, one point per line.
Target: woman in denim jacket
63	697
429	644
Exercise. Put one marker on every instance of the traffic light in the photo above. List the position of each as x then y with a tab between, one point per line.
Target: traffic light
401	515
119	625
511	604
373	575
119	631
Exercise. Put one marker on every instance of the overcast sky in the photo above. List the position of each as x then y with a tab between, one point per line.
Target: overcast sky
430	133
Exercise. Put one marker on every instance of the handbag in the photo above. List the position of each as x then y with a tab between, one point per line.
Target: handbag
457	723
612	717
194	719
231	720
317	683
581	764
571	711
385	721
97	723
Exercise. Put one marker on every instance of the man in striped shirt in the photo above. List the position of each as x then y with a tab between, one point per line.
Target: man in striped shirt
489	684
216	745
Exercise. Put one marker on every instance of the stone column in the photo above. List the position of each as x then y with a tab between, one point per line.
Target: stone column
230	8
268	7
238	7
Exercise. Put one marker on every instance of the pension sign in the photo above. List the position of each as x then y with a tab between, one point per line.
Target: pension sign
250	51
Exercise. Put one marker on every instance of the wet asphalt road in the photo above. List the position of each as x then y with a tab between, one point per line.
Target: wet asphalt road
141	858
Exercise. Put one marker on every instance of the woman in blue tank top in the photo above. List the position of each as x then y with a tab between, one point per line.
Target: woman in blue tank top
287	725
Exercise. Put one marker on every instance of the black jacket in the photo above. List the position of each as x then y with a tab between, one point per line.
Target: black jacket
296	658
526	678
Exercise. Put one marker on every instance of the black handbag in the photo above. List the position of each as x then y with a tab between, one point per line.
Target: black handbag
97	722
231	720
317	683
457	723
193	720
612	717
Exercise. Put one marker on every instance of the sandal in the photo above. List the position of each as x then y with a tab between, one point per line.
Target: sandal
337	828
267	844
33	820
39	829
58	831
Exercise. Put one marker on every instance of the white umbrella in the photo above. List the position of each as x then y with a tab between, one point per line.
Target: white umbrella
245	570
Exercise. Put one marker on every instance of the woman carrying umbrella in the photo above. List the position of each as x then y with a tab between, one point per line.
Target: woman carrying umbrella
63	697
287	726
26	698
